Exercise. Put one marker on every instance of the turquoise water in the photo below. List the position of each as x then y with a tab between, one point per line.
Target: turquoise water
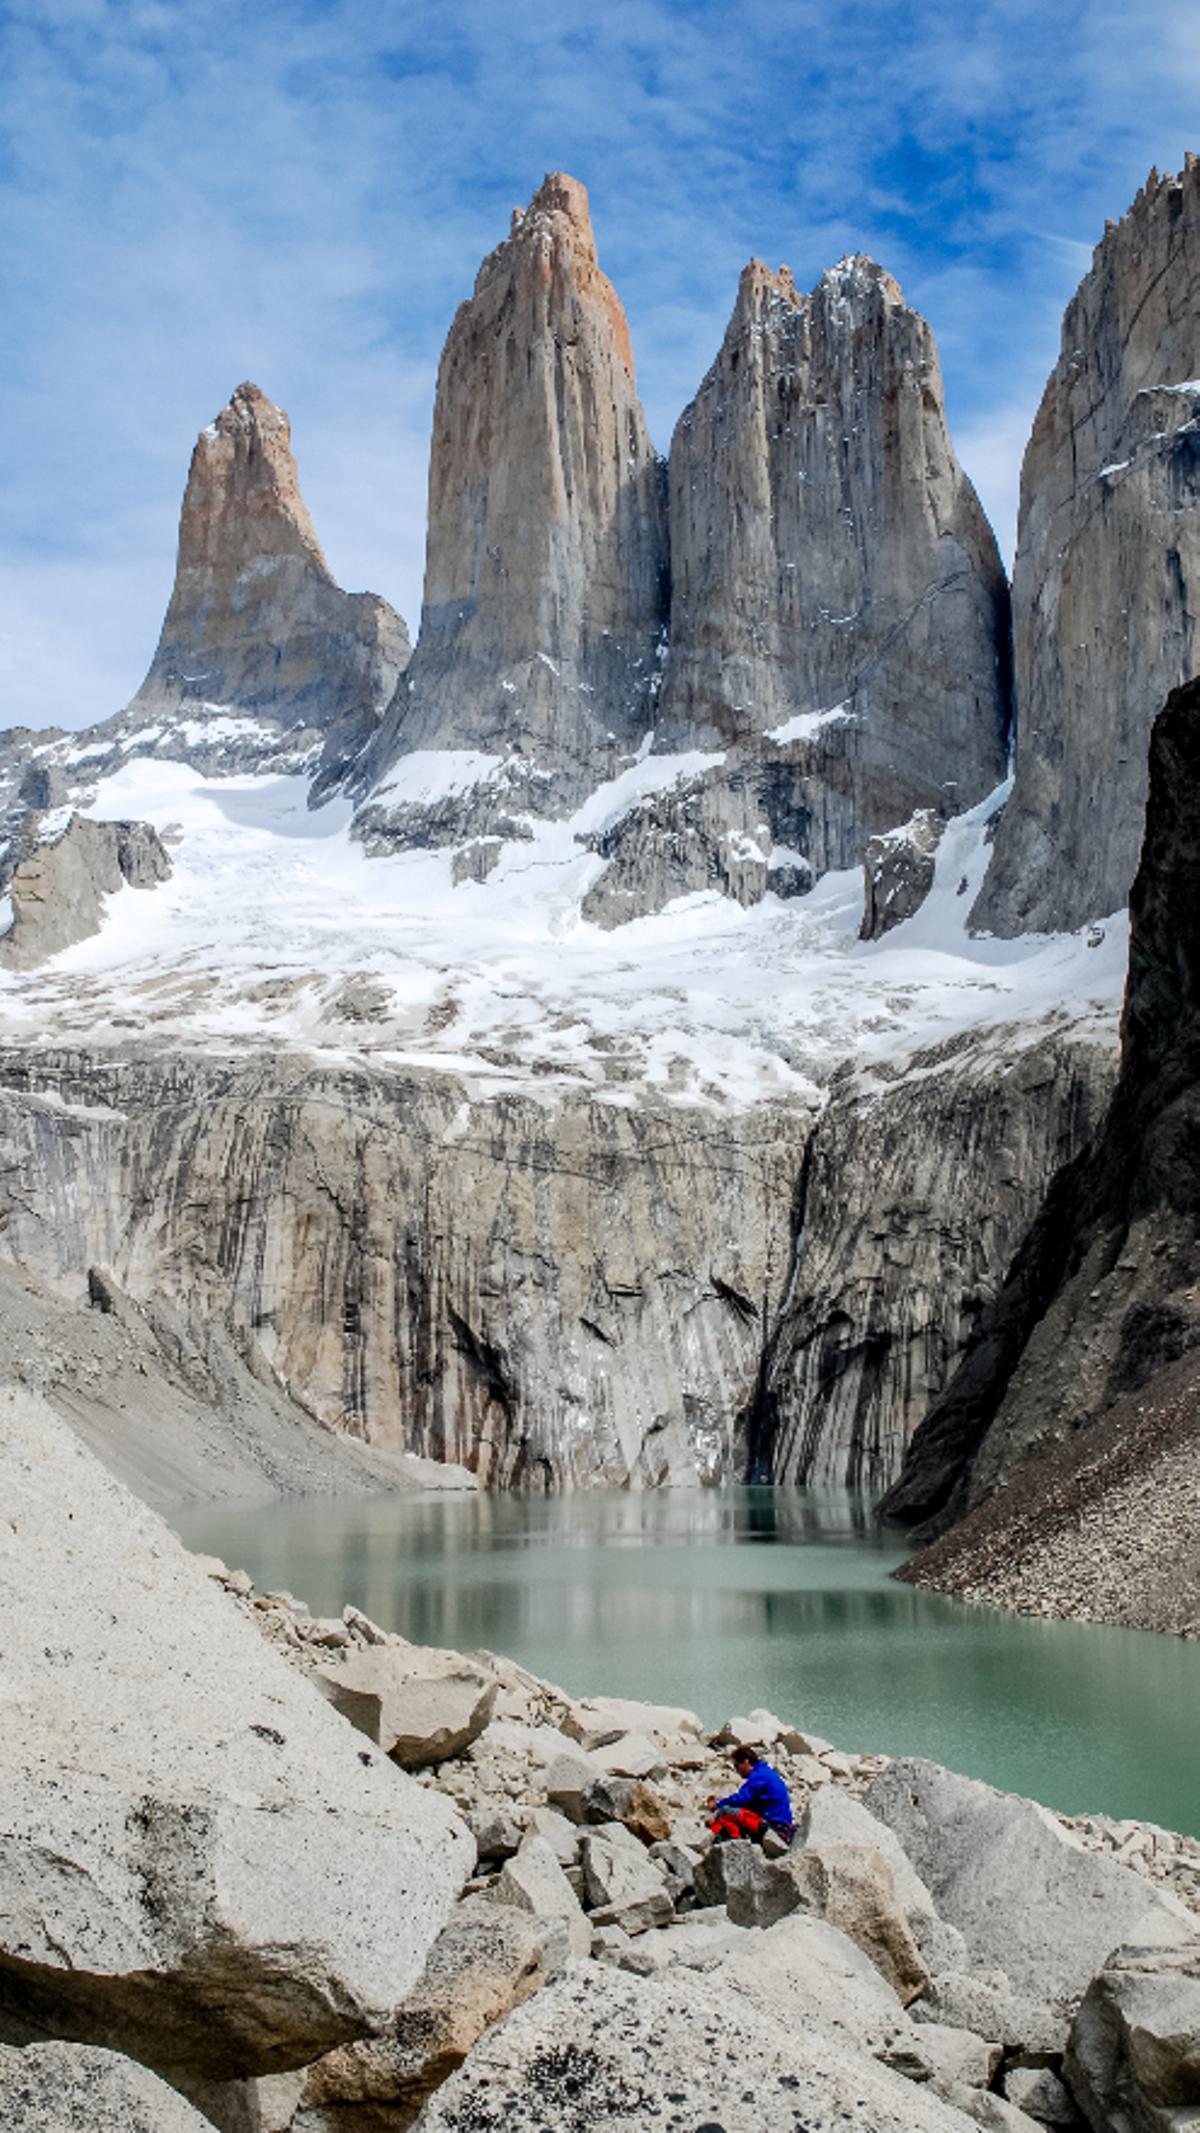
728	1599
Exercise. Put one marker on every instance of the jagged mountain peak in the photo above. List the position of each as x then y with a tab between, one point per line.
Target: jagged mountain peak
551	243
827	553
243	500
758	283
558	194
855	278
857	270
257	624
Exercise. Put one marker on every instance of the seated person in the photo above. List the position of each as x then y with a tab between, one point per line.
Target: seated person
761	1802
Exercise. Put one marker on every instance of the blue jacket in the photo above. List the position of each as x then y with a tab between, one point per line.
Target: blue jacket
764	1791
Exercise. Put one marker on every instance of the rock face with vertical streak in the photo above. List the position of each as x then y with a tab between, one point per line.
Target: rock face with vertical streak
554	1296
1106	585
914	1197
256	622
828	551
545	582
1101	1304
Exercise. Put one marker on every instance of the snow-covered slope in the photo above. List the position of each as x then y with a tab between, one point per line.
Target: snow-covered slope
276	929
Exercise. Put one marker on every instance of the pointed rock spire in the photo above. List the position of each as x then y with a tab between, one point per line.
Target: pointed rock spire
242	505
546	564
828	553
255	621
1106	584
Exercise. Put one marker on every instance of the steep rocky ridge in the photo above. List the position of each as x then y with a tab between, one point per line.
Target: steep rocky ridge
917	1191
1102	1297
1106	583
545	584
263	664
839	613
256	623
1100	1529
827	549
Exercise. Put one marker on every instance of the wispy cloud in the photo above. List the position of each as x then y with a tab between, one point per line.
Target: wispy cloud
300	192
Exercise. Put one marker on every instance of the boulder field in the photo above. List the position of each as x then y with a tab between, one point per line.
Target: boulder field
281	1874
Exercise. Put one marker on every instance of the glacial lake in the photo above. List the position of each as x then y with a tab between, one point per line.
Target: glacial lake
728	1599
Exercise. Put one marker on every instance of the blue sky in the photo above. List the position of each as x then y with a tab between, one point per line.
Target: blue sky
299	192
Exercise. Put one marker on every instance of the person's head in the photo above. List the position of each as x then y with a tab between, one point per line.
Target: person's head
744	1760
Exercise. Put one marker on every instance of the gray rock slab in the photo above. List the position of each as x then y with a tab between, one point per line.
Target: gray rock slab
804	1970
634	1755
1133	2061
850	1885
835	1816
200	1863
77	2088
988	2110
562	1836
1038	2092
534	1881
987	2004
699	1943
958	2055
487	1959
623	1885
603	2052
497	1832
568	1780
1026	1897
755	1891
677	1865
594	1721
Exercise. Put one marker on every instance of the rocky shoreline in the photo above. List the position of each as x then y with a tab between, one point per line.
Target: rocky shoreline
282	1874
1101	1530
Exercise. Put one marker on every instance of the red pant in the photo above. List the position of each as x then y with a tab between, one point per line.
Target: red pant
736	1822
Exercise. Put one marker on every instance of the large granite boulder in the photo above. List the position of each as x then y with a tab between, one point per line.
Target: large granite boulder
1025	1895
419	1705
603	2052
1107	573
831	1815
1133	2061
77	2088
487	1960
804	1970
851	1887
201	1864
